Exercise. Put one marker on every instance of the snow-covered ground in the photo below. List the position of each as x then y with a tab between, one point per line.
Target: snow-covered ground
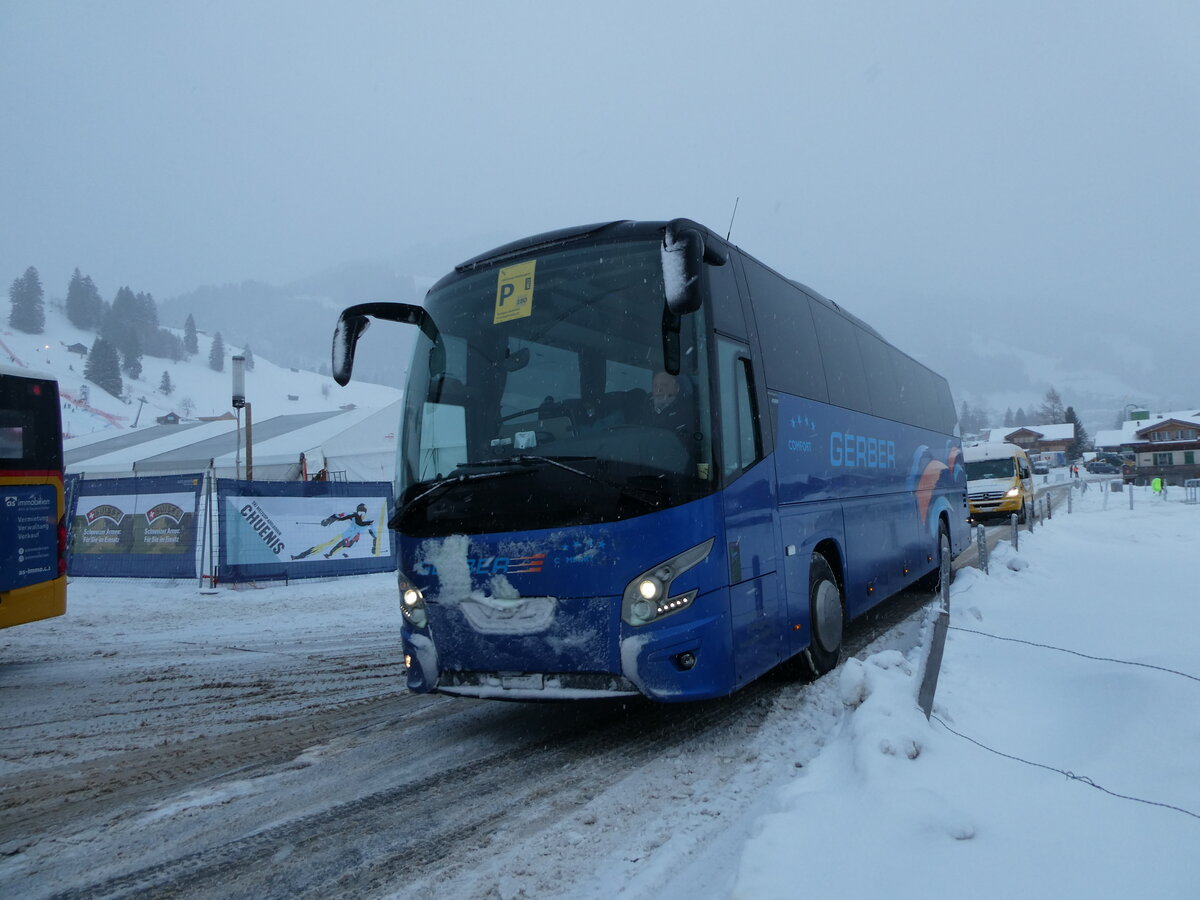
1011	790
1063	759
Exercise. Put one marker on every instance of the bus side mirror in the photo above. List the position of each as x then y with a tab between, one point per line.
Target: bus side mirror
354	321
683	258
345	338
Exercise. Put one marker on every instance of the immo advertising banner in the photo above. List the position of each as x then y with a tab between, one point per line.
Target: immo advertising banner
135	527
299	530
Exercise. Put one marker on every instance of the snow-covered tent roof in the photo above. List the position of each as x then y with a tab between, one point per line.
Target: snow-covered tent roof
359	442
107	453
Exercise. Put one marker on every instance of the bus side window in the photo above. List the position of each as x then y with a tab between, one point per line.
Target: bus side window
741	442
726	302
791	352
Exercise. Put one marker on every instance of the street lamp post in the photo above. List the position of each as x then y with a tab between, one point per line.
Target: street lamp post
239	401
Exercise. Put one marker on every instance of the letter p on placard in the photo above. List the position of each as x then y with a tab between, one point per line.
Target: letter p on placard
514	292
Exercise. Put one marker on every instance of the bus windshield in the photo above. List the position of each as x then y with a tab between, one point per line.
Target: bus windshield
30	436
1001	467
544	400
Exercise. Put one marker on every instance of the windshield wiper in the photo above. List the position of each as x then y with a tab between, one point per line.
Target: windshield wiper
524	460
447	482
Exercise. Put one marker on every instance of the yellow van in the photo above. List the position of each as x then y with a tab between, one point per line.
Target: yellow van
999	480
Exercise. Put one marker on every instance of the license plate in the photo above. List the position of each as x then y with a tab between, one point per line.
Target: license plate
525	682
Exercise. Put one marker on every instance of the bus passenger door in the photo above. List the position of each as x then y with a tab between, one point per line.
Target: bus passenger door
756	602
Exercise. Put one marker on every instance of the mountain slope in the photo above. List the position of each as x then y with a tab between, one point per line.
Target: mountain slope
199	391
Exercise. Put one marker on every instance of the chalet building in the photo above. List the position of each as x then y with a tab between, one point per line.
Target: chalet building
1169	449
1165	445
1037	438
170	418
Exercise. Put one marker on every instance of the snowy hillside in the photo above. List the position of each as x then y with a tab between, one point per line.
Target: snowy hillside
198	390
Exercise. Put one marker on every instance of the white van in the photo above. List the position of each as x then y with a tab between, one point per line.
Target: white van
999	480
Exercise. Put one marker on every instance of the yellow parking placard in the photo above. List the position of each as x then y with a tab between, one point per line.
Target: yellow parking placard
514	292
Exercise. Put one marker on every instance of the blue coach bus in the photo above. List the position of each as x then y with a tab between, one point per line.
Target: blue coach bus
636	460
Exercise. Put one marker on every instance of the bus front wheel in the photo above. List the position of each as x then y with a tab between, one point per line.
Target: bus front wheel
826	617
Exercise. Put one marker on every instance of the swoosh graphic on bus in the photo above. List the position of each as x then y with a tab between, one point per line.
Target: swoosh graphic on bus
518	565
926	484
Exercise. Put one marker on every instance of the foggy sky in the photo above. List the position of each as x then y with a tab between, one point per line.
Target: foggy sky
914	161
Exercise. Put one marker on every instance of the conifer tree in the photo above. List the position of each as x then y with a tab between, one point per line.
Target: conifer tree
28	312
1052	411
78	311
249	358
95	303
85	308
131	356
165	387
147	310
190	345
216	356
1019	418
1009	422
1082	440
103	367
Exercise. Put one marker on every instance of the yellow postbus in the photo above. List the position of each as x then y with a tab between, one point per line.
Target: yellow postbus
33	525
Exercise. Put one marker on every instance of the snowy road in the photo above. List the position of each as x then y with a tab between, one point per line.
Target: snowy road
260	743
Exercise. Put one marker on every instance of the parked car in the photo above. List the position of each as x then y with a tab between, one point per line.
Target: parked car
1096	467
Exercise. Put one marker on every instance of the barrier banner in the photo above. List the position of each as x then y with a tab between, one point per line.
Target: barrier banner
303	529
135	527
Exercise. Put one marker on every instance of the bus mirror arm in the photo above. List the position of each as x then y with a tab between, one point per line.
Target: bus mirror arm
354	321
670	342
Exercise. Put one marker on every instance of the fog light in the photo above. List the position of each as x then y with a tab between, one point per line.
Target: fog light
686	660
644	610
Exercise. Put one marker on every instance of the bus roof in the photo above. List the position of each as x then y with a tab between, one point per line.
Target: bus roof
6	369
991	451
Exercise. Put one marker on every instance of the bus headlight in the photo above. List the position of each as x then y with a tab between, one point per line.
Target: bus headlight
648	596
412	603
650	588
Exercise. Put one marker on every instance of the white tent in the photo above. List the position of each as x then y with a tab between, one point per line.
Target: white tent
355	445
358	445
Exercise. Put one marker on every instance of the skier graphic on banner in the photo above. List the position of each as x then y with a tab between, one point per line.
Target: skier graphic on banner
348	538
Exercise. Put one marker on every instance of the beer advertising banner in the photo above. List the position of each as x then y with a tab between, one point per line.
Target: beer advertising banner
268	532
135	527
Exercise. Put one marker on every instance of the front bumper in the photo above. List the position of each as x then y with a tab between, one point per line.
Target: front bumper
685	657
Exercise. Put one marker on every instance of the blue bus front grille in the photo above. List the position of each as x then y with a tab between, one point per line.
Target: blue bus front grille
540	635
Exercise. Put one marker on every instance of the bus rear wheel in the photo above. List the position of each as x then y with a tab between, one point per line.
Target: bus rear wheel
944	570
826	615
